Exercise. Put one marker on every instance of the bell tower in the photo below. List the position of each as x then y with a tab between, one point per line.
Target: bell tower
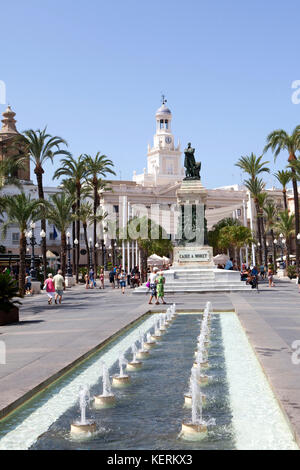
164	158
8	145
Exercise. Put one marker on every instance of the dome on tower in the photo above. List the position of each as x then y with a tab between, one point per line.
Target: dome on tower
163	110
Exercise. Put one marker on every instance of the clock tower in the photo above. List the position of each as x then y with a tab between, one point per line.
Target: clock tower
164	158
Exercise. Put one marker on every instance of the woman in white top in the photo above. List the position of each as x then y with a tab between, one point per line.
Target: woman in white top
152	279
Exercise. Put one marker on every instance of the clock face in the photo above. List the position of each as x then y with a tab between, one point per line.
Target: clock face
168	140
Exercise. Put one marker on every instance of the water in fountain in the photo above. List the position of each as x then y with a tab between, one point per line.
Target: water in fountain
106	381
209	306
149	340
134	351
197	404
156	330
84	399
142	340
122	363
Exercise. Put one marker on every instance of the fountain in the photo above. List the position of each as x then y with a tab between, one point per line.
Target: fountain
196	429
121	380
142	352
157	336
83	426
200	359
162	327
188	395
150	343
107	398
134	364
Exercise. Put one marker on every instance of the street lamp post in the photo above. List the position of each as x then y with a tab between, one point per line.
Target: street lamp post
69	265
36	288
90	253
32	242
104	257
77	264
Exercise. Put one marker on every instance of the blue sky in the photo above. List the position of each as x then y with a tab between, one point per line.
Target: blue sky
93	72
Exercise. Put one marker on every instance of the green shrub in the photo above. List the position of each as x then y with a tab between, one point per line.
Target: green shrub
292	272
9	289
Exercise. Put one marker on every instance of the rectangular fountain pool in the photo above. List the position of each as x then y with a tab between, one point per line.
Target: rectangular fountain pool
148	414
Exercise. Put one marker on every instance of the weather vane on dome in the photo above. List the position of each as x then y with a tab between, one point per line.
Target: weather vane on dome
163	99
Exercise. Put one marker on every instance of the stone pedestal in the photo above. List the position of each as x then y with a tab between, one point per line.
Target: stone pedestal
36	287
70	281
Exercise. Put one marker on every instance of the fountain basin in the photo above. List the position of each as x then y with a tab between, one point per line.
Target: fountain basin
203	380
193	432
204	365
149	345
121	381
188	400
163	330
104	401
142	355
156	337
78	429
134	365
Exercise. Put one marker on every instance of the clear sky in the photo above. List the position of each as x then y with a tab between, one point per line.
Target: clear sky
93	72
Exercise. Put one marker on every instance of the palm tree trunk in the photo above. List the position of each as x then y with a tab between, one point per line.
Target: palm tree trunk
95	230
87	246
73	238
39	177
288	251
284	199
264	236
274	251
22	254
296	204
259	233
63	251
78	190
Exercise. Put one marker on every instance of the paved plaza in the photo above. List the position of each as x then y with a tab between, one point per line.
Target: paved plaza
49	339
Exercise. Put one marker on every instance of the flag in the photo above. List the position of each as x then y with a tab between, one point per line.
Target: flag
54	233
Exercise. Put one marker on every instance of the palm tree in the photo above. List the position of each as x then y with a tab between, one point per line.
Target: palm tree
280	140
42	147
255	187
262	198
76	170
284	177
252	165
96	167
69	187
21	210
285	225
86	217
9	170
59	213
270	212
236	236
214	233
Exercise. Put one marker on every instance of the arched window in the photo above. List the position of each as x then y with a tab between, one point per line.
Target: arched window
167	124
161	124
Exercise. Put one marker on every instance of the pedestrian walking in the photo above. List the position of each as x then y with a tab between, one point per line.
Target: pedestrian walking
101	279
153	280
50	288
59	284
122	280
112	278
160	287
270	276
28	289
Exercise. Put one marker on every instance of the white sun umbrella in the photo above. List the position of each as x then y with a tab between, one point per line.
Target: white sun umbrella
220	259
